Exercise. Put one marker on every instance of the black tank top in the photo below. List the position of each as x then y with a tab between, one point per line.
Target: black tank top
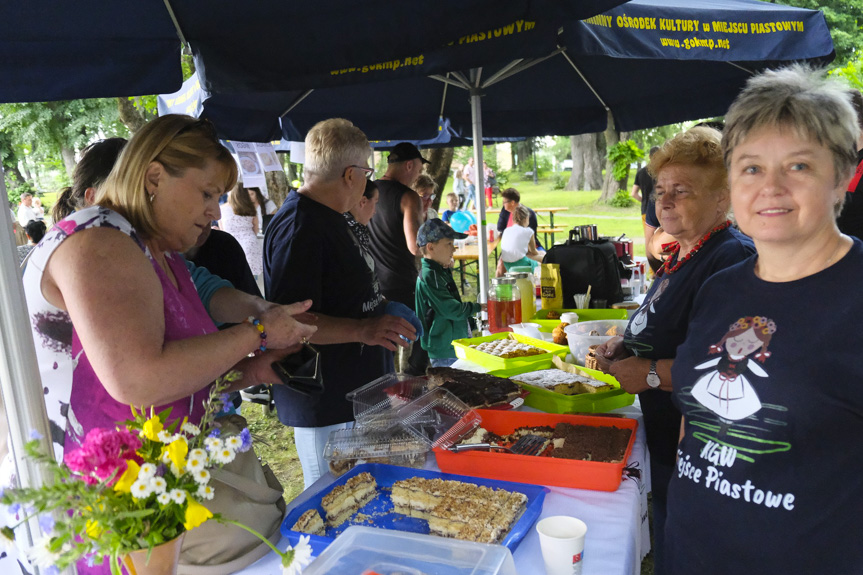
395	265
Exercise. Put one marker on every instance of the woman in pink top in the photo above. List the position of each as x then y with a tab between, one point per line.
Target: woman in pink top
116	319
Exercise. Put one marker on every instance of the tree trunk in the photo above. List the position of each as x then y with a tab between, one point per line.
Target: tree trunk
438	169
609	184
277	187
68	155
592	163
131	116
577	153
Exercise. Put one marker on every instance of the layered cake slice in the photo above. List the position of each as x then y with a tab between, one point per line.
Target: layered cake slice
605	444
310	522
345	500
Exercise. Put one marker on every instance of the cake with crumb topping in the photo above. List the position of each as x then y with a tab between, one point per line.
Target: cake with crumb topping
310	522
345	500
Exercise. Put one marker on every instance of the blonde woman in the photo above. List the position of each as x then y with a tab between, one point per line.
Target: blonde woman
240	219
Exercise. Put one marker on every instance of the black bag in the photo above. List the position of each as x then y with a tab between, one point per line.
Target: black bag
587	262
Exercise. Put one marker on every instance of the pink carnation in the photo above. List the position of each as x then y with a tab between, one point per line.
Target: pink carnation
103	453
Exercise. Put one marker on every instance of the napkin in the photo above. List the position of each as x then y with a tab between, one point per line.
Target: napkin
401	310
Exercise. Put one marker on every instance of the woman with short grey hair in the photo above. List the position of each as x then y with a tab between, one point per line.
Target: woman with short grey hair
768	380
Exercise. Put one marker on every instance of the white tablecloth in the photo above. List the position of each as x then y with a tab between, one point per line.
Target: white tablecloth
617	526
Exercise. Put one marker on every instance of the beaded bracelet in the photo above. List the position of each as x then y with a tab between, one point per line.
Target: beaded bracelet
263	334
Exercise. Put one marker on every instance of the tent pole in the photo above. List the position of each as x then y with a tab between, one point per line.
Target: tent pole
19	373
479	192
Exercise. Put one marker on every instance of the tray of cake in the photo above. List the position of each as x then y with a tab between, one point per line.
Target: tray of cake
417	501
567	388
582	451
508	350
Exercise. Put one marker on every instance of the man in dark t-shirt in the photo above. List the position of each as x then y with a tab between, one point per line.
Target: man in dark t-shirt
850	221
309	253
223	256
393	235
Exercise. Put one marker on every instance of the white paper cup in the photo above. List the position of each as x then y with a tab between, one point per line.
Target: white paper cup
562	541
569	317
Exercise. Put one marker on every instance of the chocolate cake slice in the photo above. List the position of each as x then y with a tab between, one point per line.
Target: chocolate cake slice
477	390
588	443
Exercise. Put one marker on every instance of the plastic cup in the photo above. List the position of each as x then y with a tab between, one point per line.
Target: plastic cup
569	317
599	304
527	329
561	539
582	300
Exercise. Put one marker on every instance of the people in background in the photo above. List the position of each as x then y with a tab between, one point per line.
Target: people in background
692	204
92	169
393	232
771	428
517	244
511	201
309	252
426	188
489	183
642	191
358	218
468	174
35	230
25	209
850	221
443	315
460	187
452	207
240	219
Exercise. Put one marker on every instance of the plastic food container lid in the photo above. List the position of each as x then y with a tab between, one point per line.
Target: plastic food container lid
375	403
438	418
364	443
363	549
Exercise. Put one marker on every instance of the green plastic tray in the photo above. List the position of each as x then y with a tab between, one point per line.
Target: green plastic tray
528	363
551	402
548	325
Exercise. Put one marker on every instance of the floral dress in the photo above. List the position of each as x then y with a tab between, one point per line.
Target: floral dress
242	229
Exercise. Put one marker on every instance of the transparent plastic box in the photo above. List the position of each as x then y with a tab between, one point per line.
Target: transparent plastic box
579	337
376	403
438	418
395	446
385	552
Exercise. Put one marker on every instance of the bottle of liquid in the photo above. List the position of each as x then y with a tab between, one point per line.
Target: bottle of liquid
504	304
525	287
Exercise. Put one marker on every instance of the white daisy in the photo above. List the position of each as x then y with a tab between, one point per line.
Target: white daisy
198	453
205	492
213	444
163	499
158	485
165	436
298	557
194	464
141	489
234	443
148	471
224	455
191	428
201	476
178	496
40	555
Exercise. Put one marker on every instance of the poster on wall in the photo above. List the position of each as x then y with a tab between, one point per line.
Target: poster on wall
269	160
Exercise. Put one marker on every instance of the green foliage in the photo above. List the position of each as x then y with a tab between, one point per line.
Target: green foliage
19	190
852	72
622	199
844	21
621	155
558	181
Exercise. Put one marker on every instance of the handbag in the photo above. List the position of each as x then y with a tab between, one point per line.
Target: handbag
246	491
301	371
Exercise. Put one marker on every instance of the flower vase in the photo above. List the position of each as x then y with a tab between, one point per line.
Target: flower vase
163	559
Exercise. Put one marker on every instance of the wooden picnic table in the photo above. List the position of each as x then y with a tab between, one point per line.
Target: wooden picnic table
468	254
550	229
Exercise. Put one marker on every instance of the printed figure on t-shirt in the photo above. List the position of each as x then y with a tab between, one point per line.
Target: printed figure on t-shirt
639	320
726	391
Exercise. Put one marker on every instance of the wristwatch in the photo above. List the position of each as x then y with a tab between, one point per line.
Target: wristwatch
652	376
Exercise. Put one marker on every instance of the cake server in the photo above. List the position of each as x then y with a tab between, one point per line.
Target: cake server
526	445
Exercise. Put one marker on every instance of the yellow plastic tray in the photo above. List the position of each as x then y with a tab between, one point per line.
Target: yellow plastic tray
548	325
488	361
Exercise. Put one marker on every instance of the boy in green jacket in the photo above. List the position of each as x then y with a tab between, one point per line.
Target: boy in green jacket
438	304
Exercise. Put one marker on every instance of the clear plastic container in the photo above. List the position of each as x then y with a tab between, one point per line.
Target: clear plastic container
375	403
581	336
395	446
438	418
363	549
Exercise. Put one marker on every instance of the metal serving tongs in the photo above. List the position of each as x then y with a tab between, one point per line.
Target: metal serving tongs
526	445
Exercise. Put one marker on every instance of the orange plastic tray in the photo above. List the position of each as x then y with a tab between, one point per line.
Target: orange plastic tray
538	470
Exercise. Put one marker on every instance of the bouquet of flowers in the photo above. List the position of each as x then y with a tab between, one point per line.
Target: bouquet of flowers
131	488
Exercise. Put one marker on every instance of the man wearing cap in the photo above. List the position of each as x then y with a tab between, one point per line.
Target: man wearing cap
393	234
443	315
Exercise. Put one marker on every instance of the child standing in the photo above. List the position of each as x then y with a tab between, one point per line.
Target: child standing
452	205
439	307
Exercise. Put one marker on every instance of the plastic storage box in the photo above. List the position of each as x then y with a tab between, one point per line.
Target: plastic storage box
375	403
538	470
347	448
438	418
579	338
365	550
552	402
488	361
548	325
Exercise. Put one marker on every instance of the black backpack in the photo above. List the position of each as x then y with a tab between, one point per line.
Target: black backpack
587	262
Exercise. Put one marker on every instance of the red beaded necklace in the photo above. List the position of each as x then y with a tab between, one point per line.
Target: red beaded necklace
674	248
